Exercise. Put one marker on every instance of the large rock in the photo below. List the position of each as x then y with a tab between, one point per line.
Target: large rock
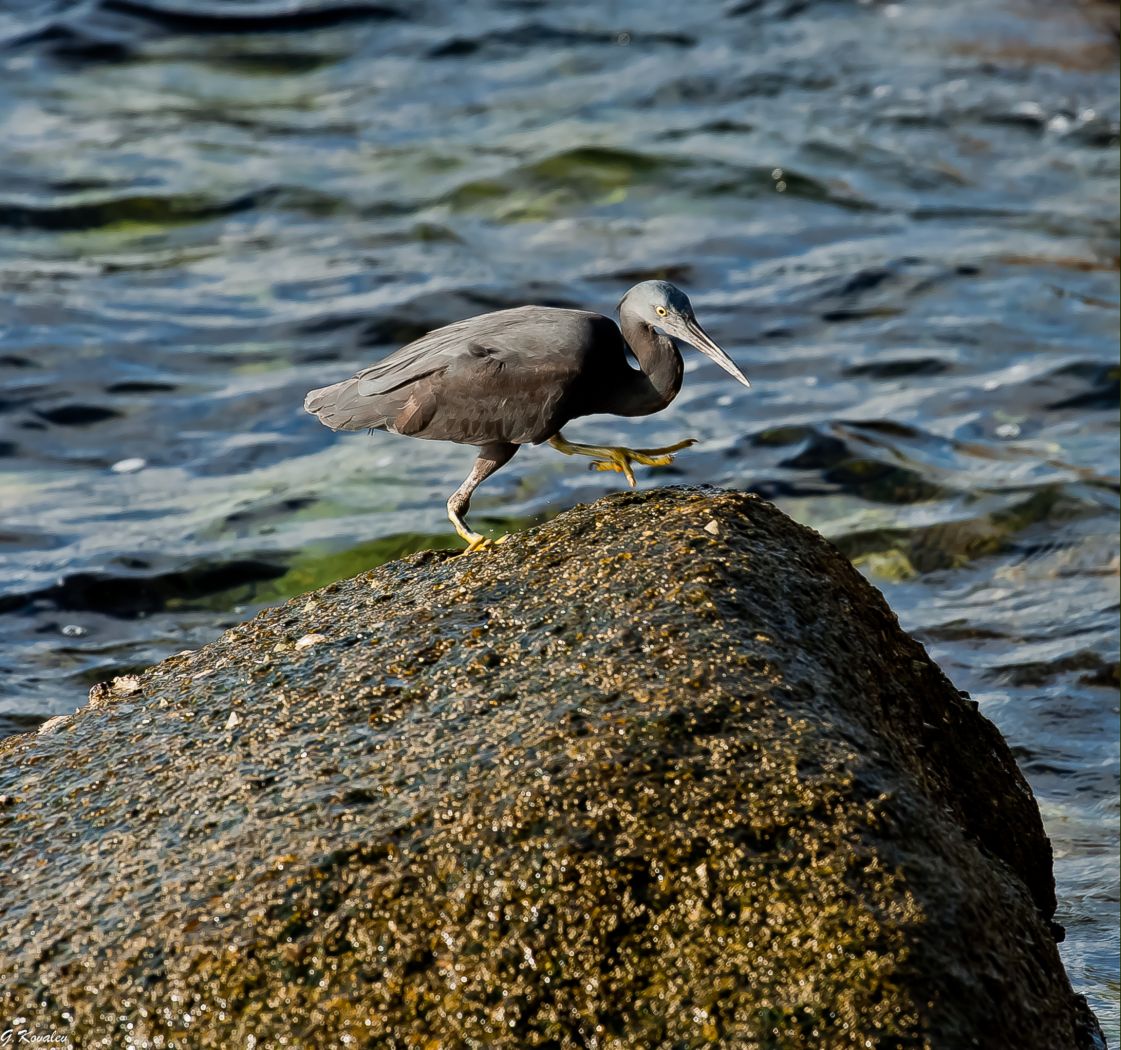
663	772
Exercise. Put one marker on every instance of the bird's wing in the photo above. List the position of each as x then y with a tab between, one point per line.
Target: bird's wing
430	353
505	373
524	334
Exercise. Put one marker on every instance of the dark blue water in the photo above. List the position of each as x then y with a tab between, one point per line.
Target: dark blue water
900	218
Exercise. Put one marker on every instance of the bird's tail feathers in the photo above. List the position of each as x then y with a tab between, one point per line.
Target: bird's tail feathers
343	407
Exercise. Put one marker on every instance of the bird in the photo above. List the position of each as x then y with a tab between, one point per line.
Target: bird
516	377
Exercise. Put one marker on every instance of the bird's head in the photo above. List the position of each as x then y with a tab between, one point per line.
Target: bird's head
662	305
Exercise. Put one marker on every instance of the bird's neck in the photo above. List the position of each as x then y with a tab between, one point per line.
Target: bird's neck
660	379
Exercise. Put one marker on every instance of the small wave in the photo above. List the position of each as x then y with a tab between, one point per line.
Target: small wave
900	553
536	35
77	415
149	209
251	17
132	595
161	211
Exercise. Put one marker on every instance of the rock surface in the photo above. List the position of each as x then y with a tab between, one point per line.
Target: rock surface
663	772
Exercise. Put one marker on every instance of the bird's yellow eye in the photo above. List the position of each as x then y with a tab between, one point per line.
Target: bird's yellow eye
661	311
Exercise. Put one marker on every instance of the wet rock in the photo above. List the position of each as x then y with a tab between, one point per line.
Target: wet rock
624	781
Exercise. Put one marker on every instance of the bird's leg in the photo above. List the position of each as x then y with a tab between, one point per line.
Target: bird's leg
491	457
610	457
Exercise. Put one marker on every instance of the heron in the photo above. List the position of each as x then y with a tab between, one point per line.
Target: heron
517	377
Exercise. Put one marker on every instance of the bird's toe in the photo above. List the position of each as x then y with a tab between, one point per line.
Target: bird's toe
482	543
668	450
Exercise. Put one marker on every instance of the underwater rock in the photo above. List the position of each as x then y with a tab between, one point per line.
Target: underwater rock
662	772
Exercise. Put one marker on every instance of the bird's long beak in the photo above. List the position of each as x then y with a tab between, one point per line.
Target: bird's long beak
696	336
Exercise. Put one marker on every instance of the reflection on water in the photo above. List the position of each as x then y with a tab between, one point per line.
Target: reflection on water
900	219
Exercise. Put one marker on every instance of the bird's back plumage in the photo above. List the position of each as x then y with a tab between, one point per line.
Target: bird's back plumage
509	376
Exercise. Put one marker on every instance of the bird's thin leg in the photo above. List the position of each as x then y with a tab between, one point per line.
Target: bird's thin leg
610	457
491	457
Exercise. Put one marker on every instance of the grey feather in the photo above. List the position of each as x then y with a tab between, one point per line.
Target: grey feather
501	376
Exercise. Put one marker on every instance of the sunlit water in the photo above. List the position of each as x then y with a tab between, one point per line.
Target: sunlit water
901	219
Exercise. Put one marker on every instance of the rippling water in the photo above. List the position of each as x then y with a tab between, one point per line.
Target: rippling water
901	219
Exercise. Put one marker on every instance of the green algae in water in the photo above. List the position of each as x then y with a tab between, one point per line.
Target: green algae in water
953	544
892	565
313	569
565	182
317	568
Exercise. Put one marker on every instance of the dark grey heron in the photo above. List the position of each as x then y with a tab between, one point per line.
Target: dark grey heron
516	377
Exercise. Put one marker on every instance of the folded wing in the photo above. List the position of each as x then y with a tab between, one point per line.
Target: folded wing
502	376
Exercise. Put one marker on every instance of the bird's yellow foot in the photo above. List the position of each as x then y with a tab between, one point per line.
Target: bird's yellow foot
620	459
608	457
481	543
